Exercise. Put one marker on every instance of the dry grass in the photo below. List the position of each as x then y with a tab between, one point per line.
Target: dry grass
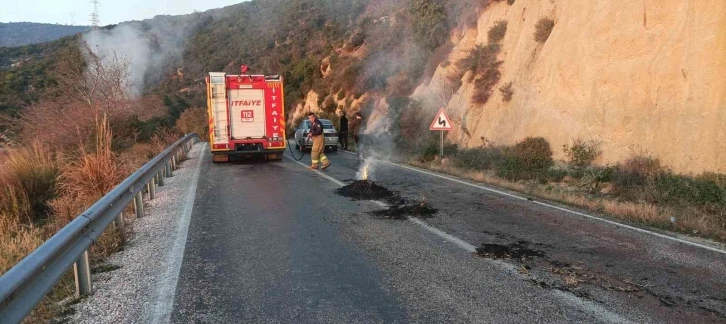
29	179
194	120
75	186
690	220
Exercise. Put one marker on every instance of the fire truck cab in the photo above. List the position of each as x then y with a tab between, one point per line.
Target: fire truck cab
246	116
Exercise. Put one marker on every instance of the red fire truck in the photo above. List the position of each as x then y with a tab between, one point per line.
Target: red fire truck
246	116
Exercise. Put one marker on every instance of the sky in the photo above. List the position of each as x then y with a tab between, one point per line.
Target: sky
110	12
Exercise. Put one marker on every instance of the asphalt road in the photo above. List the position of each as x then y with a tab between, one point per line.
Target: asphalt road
274	243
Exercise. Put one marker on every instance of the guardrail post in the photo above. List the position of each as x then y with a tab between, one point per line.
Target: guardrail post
168	169
120	224
139	205
82	272
160	176
152	188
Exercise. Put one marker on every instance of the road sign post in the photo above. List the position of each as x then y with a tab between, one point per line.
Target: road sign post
441	123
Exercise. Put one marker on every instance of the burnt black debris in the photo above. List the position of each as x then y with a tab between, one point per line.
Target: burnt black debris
399	212
516	250
365	190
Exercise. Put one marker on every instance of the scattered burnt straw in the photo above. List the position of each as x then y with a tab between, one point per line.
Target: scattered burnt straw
516	250
365	190
399	212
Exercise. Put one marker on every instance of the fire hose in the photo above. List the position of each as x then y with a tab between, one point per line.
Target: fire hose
302	150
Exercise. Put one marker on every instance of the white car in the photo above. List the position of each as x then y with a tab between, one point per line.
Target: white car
301	134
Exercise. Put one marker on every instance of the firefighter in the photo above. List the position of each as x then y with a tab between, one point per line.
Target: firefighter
317	154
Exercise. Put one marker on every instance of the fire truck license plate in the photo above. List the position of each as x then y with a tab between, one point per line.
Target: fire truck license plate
248	115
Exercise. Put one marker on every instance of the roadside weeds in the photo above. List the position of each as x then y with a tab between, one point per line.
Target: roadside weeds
689	221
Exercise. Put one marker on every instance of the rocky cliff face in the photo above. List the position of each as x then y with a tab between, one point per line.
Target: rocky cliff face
639	76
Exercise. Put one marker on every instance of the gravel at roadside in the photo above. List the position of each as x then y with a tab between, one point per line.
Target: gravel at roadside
132	293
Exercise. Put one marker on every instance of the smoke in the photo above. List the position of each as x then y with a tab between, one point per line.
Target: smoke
399	69
128	45
152	48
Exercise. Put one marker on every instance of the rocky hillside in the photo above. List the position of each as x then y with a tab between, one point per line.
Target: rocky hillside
25	33
638	76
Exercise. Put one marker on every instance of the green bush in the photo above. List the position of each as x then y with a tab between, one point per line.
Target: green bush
528	159
431	149
534	152
556	174
429	23
480	158
680	190
581	153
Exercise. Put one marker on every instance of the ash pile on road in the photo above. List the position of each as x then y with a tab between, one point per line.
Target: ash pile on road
399	212
365	190
516	250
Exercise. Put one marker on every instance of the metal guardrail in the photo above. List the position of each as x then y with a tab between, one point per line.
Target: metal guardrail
23	286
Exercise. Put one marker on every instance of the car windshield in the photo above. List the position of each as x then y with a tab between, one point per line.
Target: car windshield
327	124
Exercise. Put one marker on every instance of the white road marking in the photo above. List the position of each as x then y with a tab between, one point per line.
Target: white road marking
167	286
710	248
595	309
448	237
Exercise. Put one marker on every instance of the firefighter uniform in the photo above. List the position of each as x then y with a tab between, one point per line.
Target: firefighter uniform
318	151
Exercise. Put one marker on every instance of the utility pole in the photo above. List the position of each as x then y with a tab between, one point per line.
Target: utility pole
94	15
73	19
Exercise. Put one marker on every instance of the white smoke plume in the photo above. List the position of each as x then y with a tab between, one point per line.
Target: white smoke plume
127	44
150	47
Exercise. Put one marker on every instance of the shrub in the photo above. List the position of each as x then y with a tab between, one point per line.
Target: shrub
194	120
482	61
497	31
432	149
543	28
506	91
556	174
481	158
428	22
682	190
582	153
528	159
636	170
485	83
479	59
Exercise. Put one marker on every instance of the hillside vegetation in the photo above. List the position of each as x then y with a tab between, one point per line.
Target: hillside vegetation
528	107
